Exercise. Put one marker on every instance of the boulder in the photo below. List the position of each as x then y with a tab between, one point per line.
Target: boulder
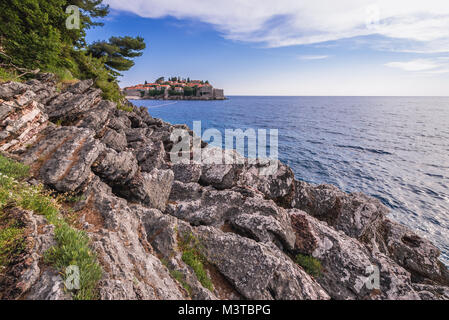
265	273
186	172
416	254
136	135
163	232
25	278
97	118
220	168
116	168
50	286
115	140
432	292
185	192
351	213
347	265
149	154
80	86
66	163
120	123
150	188
10	89
70	107
278	185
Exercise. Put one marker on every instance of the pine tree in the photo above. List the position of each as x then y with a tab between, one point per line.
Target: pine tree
30	32
33	35
117	52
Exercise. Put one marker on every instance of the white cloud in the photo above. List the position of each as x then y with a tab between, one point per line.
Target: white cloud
429	66
312	57
293	22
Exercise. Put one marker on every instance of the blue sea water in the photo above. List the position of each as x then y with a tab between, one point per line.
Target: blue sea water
393	148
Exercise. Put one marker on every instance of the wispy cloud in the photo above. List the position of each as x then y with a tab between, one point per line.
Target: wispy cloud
312	57
424	24
431	66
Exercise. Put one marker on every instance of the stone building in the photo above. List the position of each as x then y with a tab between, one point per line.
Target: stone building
218	94
205	92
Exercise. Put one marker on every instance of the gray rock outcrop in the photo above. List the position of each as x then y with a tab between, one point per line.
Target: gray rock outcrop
137	206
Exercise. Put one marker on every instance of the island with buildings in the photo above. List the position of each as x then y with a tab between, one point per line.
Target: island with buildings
174	88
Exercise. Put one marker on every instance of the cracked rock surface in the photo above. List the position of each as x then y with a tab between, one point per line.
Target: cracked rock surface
137	206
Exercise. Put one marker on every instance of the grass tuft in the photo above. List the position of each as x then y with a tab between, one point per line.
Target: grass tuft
12	240
13	169
123	107
178	276
7	75
72	245
73	249
310	265
191	255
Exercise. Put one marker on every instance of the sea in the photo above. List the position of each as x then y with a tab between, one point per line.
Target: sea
393	148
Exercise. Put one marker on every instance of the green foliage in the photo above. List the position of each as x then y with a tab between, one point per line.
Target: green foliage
63	75
70	197
125	108
178	276
12	241
153	93
33	35
88	67
13	169
73	249
72	246
117	51
172	92
191	255
310	264
7	75
38	201
90	9
30	31
188	91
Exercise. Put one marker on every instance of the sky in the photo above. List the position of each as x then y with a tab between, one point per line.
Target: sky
289	47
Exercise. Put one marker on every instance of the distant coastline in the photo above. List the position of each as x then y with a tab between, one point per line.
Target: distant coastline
174	89
174	98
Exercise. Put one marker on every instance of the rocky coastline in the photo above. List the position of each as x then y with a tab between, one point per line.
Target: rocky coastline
141	211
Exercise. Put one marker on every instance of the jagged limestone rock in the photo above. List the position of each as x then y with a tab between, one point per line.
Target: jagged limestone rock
136	204
68	164
115	140
116	168
20	124
255	269
347	264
